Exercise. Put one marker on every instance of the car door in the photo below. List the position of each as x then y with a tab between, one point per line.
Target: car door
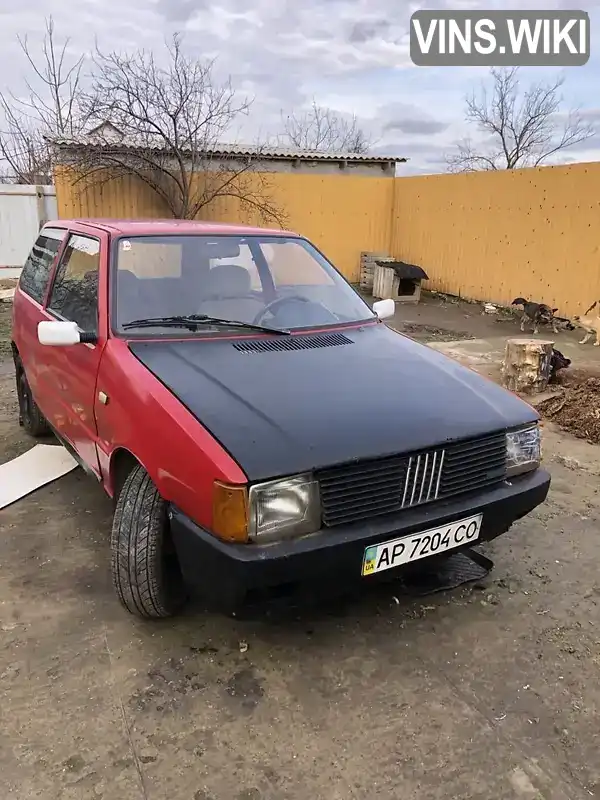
28	311
73	369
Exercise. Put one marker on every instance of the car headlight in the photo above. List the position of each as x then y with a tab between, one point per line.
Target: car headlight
523	450
284	508
266	511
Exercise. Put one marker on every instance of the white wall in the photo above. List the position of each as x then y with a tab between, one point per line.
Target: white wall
23	210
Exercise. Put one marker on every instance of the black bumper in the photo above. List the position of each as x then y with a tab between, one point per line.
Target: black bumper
226	573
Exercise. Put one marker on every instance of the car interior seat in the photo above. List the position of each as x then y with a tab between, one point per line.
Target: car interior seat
227	294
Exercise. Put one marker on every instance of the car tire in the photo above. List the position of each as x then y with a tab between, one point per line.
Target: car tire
145	569
31	418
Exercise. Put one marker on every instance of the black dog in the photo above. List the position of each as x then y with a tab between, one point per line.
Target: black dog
557	362
536	313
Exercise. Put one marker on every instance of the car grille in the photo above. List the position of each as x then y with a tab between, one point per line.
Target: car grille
384	486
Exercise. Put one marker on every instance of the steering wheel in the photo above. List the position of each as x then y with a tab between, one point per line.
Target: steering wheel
292	298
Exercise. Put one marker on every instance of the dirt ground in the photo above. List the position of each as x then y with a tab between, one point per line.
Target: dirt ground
488	692
5	320
442	318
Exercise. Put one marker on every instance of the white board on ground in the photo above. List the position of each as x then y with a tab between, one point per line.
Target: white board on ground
7	294
35	468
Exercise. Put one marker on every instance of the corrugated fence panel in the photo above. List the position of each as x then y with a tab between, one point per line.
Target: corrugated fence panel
125	197
343	215
498	235
484	236
22	213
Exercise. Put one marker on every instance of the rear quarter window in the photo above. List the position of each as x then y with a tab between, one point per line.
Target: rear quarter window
37	268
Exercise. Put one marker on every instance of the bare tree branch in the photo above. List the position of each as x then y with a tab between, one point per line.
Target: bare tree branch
523	128
22	148
171	119
50	108
321	129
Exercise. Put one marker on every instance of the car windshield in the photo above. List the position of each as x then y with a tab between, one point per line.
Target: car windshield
276	282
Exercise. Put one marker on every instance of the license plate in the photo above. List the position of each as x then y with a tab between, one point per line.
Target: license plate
379	557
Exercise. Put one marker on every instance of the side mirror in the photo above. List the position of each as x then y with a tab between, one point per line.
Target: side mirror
60	333
384	308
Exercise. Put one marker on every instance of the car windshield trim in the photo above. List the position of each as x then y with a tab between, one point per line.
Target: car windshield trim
194	321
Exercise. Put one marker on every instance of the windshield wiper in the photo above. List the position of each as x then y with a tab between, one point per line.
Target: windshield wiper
193	321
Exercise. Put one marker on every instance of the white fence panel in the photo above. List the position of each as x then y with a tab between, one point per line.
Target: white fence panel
23	210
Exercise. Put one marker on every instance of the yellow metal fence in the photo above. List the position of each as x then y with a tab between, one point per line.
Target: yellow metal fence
533	233
484	236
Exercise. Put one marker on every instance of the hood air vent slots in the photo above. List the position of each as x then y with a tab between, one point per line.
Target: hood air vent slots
301	342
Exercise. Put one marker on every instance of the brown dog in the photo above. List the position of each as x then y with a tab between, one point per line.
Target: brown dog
590	323
535	313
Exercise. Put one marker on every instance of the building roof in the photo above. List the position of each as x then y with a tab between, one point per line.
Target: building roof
157	227
266	153
106	124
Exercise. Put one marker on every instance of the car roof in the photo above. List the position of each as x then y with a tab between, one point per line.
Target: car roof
141	227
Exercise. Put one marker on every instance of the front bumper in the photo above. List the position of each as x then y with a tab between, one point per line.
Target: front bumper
227	573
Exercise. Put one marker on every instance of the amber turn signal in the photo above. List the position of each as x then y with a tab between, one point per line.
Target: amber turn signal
230	512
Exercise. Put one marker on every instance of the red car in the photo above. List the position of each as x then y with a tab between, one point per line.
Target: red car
255	422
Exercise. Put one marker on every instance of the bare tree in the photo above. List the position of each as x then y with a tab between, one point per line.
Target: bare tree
321	129
50	107
520	128
22	149
171	120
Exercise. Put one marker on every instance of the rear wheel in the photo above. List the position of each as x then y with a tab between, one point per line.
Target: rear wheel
30	416
145	568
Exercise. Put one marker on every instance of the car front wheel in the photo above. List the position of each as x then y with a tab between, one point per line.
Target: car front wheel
145	569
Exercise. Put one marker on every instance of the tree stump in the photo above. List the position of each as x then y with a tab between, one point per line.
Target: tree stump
526	366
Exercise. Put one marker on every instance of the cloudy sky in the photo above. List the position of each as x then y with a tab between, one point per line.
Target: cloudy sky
351	55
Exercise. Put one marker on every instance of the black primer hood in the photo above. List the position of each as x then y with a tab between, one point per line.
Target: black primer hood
280	412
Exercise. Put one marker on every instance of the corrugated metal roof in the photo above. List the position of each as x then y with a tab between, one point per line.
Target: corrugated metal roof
229	150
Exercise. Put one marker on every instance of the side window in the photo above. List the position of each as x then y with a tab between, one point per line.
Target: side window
36	270
75	290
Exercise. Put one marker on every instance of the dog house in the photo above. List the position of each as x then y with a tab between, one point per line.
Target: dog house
398	281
